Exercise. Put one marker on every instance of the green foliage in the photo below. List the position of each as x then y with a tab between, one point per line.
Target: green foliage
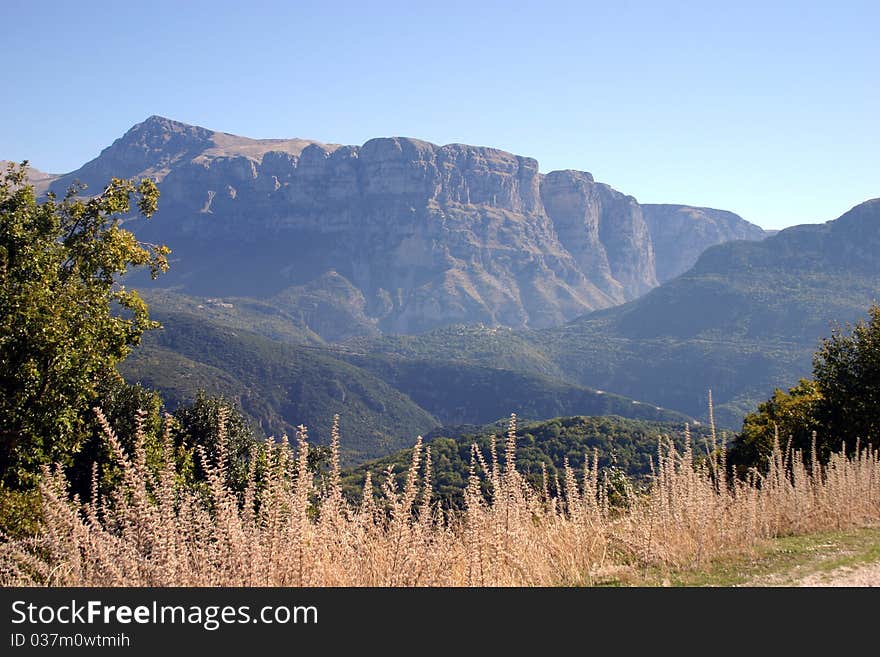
279	385
497	347
464	393
202	425
253	315
20	512
841	404
132	411
137	414
64	320
789	417
383	401
622	445
847	370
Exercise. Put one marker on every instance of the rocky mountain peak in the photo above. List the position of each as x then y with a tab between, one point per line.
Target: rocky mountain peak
156	143
148	149
604	230
161	134
426	235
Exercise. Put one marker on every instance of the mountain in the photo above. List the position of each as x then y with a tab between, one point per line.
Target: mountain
39	179
680	234
159	146
458	280
278	385
397	235
330	306
744	320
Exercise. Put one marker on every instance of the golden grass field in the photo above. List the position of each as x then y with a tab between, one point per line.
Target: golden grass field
289	528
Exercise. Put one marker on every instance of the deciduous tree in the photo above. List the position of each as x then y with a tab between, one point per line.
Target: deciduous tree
841	403
65	319
847	370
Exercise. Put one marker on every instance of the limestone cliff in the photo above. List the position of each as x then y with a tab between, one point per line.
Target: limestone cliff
424	235
680	233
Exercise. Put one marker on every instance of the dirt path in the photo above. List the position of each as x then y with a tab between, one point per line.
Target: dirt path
841	558
866	575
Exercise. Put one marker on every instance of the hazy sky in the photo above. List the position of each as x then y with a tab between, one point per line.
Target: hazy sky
769	109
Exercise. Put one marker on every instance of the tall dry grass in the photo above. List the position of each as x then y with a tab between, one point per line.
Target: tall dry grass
289	529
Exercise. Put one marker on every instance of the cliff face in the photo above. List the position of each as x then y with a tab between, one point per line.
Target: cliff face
428	235
680	233
745	319
603	230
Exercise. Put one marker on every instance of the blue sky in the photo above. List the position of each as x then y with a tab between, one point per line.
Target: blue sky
769	109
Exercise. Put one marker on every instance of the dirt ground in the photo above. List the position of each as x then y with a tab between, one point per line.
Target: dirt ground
866	575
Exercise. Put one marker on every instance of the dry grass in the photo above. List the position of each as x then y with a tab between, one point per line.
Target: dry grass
289	530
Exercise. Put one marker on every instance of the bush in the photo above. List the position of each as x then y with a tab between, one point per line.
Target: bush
20	512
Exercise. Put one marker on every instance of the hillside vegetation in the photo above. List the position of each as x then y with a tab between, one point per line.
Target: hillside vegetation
745	319
383	400
613	444
461	393
252	315
281	386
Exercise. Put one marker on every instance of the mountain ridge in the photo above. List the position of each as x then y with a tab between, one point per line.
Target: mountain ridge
383	402
746	318
681	233
429	235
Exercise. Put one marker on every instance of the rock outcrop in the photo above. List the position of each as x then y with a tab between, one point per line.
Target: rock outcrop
603	230
427	235
680	233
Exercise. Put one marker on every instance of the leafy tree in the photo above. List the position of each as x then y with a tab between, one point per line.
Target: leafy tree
790	415
199	424
841	403
847	370
65	321
130	410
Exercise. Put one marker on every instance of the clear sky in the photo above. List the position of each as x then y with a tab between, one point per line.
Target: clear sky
769	109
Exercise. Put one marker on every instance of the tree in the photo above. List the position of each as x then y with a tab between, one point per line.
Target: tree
847	370
789	415
65	320
199	425
841	403
135	414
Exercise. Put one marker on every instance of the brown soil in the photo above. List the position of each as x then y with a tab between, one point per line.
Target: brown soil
866	575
